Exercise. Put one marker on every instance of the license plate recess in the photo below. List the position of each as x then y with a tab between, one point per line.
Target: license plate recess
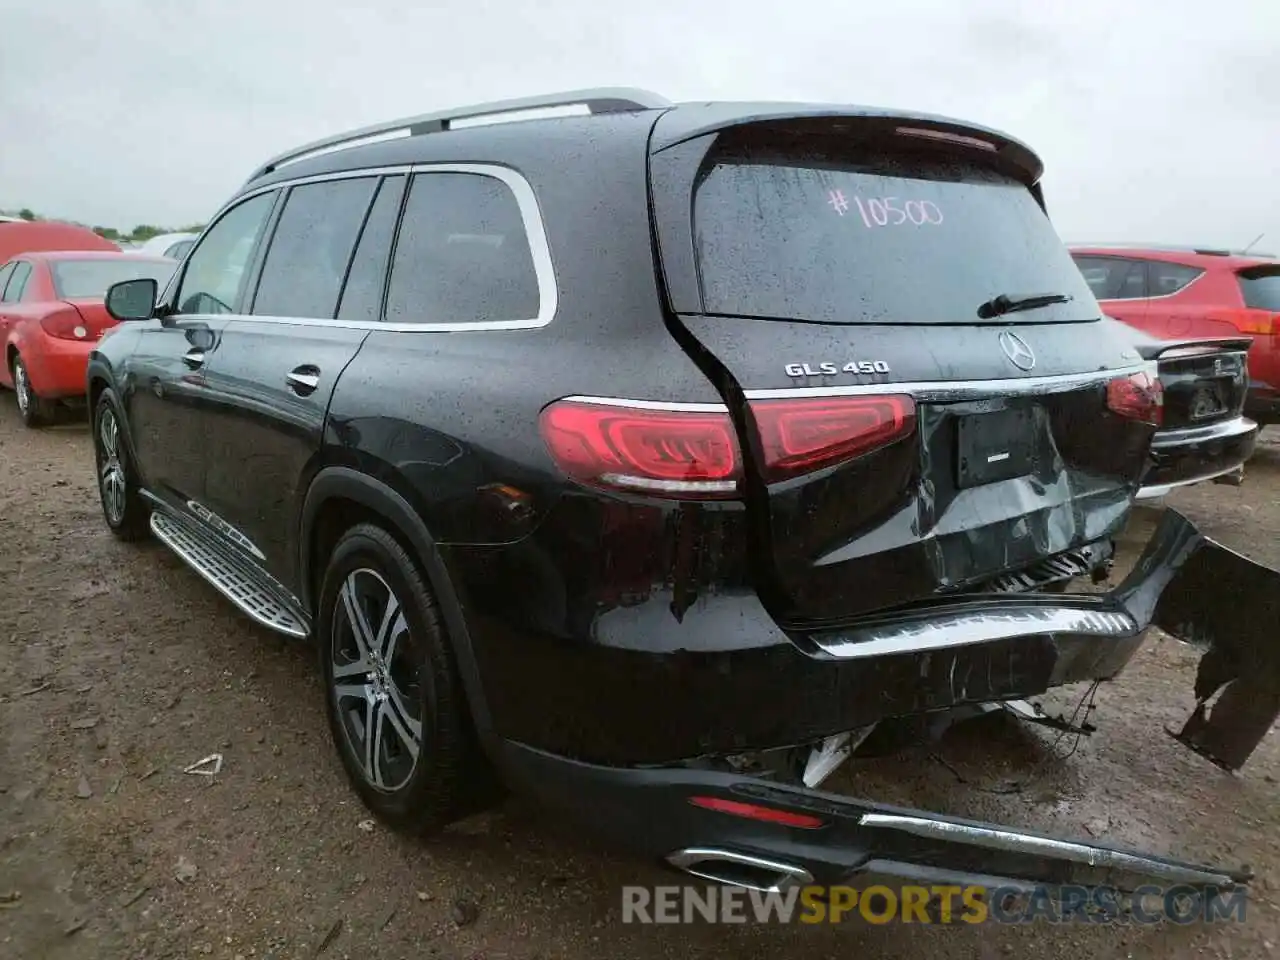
995	446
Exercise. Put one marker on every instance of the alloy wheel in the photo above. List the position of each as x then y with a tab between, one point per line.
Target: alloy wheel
376	670
111	469
21	386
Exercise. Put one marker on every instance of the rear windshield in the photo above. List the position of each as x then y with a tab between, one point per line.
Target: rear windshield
871	238
74	279
1261	288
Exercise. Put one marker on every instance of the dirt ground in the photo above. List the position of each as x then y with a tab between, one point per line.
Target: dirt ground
122	667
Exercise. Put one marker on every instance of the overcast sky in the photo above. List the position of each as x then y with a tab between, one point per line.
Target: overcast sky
1157	119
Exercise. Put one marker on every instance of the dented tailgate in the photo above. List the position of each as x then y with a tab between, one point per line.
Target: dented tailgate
925	393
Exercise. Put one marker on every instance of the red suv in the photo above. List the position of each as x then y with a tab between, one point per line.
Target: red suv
1176	293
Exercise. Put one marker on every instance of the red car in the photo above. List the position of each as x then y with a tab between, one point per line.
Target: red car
52	315
1176	293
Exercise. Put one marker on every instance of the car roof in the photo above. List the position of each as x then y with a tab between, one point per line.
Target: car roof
55	256
32	236
162	241
669	123
1206	258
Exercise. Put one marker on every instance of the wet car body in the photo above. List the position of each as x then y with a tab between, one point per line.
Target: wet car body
727	493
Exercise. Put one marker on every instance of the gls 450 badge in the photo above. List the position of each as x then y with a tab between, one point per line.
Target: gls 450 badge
831	369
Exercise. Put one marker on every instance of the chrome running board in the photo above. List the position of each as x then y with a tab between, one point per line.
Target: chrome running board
248	590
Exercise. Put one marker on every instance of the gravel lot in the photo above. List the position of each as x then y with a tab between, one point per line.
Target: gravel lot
122	667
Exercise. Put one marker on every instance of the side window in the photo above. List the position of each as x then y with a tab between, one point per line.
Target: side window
311	248
1166	278
17	282
216	269
1114	278
362	296
4	275
462	254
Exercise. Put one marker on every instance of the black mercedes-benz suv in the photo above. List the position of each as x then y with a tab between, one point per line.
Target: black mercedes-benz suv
647	455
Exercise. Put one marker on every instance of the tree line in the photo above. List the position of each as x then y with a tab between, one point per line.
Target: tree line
139	234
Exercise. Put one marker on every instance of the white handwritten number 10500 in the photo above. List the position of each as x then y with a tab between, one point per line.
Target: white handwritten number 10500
881	210
884	211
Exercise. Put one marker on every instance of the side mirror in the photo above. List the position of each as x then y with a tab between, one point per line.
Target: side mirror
132	299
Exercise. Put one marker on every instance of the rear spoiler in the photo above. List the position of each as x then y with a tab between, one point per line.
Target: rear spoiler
1158	349
691	121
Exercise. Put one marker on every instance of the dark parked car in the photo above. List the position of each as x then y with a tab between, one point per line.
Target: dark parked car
1180	292
1204	434
643	455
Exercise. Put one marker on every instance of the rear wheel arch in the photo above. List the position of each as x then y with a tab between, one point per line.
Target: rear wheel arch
340	497
97	384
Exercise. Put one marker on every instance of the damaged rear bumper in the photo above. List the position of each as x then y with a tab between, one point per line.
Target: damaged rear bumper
1188	585
759	832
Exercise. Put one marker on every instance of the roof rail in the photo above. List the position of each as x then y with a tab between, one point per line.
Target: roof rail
1173	248
596	100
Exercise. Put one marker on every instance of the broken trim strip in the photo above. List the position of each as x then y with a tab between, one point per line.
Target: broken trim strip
956	629
1014	842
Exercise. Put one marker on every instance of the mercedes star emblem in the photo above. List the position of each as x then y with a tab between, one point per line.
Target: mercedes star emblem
1016	349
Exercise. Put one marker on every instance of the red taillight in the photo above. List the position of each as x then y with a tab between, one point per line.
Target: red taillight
800	436
1138	397
687	453
753	811
692	453
65	325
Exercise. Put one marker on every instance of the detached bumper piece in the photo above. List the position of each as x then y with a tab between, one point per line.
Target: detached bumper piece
1230	607
750	831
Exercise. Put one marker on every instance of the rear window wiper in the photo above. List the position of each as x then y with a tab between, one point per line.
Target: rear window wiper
1012	303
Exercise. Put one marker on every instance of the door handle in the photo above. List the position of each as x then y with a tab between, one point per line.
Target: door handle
304	379
193	358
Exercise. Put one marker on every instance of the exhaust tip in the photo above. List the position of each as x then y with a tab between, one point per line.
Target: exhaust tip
739	869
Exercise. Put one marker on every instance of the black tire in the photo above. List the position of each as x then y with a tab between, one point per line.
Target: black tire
411	794
35	411
123	506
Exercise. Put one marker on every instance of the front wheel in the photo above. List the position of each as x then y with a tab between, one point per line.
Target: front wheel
35	411
122	504
394	700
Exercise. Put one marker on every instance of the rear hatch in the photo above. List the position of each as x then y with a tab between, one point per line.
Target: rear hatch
82	283
907	433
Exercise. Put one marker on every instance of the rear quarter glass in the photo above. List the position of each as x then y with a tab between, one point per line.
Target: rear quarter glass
856	236
1260	287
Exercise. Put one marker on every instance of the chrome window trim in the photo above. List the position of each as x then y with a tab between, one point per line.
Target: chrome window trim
530	215
957	389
